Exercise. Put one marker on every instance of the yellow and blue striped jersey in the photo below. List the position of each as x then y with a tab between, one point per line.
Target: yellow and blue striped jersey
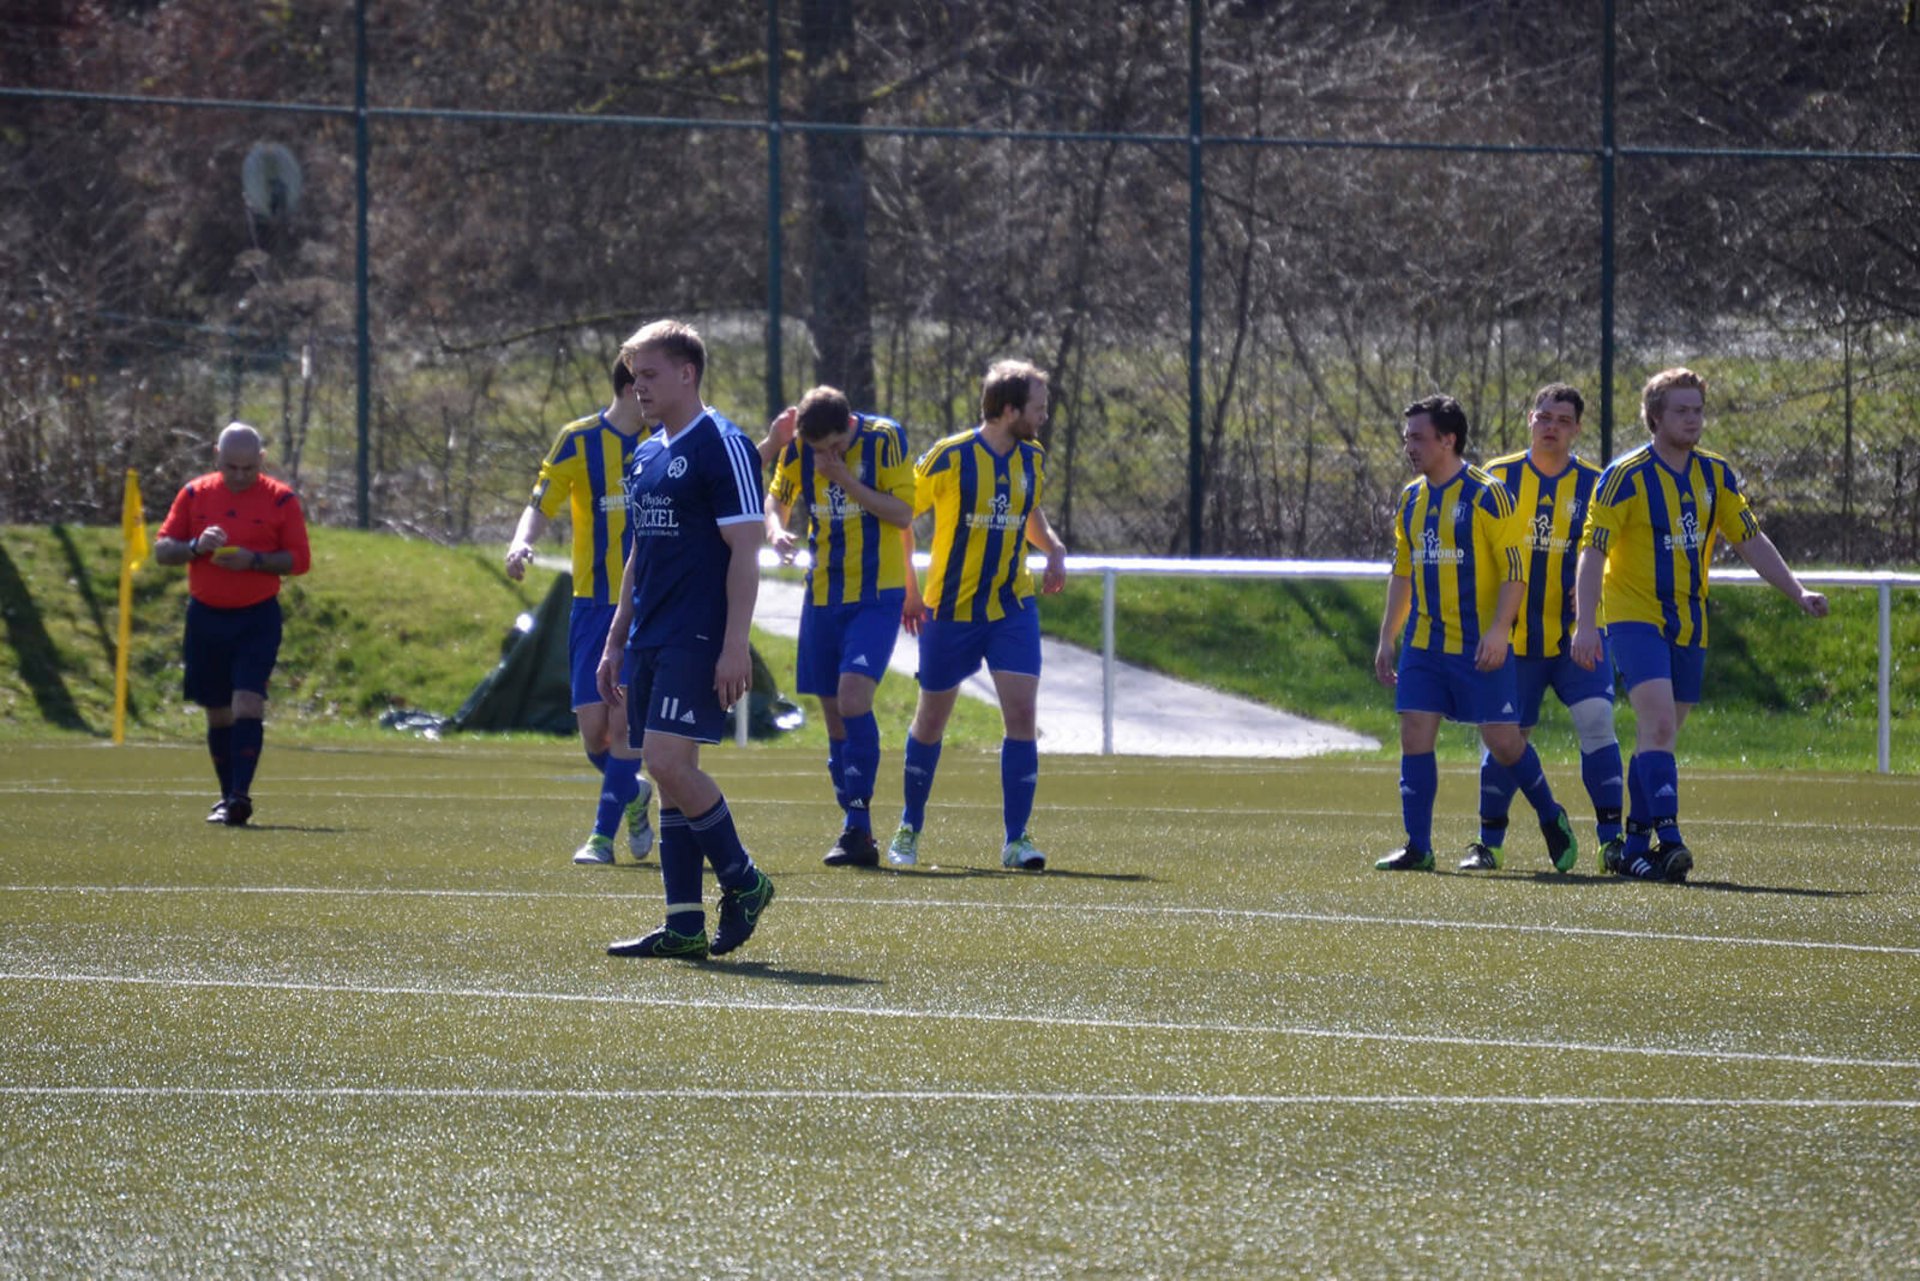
1551	508
1656	527
585	472
1457	543
980	502
856	555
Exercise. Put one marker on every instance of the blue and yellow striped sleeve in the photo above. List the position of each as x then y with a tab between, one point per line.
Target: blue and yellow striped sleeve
894	467
1607	513
1402	546
785	489
1506	531
560	470
1733	515
934	476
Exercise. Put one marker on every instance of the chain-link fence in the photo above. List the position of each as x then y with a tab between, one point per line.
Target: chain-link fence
1242	236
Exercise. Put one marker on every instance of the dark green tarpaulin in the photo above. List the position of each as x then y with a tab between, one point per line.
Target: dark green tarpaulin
532	687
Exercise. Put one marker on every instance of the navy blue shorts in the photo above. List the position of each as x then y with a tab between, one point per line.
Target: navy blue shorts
230	649
857	638
586	642
670	691
1451	685
951	651
1571	682
1642	652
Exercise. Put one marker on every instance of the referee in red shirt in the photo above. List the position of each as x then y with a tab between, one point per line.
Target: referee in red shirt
238	532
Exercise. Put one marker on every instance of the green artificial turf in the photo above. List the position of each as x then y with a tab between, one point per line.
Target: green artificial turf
377	1034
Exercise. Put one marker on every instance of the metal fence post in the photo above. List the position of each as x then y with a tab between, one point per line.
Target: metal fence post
776	393
1106	661
1196	248
362	284
1606	232
1886	677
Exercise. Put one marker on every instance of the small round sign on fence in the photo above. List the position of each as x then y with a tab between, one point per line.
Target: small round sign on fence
270	181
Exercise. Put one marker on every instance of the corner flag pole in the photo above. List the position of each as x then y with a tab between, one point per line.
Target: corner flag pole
134	550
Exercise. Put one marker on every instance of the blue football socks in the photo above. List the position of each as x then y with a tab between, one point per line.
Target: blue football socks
680	871
1639	816
859	764
732	865
619	784
1532	778
836	769
1419	784
1601	772
917	784
1662	777
1019	779
1497	787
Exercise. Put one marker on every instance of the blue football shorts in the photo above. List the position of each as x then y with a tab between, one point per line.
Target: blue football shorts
1569	681
951	651
1431	681
230	649
857	638
586	642
1642	652
670	691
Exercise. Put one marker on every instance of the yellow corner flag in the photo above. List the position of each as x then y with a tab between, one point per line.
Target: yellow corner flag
134	550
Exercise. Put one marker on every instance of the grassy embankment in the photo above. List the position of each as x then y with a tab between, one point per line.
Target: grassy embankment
1782	690
379	622
384	621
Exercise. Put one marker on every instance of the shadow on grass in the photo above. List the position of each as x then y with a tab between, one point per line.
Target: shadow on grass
923	871
35	656
1790	891
1050	874
1354	633
82	580
1730	887
779	974
295	827
948	872
1544	876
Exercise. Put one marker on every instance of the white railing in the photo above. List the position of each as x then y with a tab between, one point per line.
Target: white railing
1110	569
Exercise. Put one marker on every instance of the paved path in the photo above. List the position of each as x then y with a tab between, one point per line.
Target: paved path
1154	715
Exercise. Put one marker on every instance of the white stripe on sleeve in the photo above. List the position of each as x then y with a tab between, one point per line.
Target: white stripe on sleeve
743	456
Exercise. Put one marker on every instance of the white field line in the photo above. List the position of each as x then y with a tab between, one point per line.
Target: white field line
710	1005
827	802
1109	909
1022	1097
1079	766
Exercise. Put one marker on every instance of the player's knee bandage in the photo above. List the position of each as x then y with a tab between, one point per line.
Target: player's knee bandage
1593	723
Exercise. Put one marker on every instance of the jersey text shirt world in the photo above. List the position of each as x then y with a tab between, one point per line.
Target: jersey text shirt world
1552	509
980	502
1657	527
856	555
1458	543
